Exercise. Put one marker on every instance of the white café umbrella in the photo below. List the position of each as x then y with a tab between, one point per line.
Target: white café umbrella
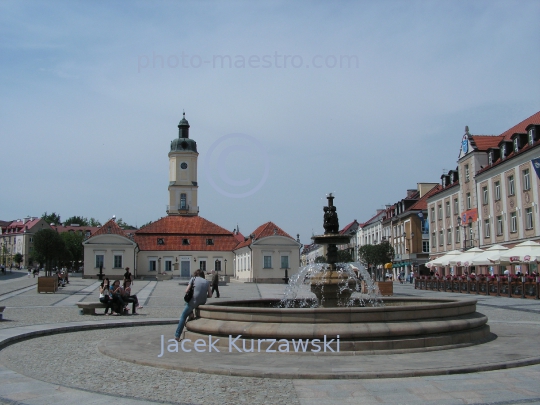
523	253
443	260
489	256
464	259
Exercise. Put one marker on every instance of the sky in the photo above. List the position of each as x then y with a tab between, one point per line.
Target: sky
287	102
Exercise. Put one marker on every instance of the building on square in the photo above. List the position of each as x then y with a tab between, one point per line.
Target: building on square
492	196
183	241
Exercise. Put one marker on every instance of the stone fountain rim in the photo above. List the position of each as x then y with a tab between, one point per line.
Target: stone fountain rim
435	303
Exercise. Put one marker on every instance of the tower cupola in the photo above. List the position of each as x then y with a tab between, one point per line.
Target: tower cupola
183	143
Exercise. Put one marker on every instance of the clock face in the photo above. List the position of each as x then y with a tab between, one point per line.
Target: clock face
183	165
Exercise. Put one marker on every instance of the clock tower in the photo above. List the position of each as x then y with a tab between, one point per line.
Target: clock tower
183	173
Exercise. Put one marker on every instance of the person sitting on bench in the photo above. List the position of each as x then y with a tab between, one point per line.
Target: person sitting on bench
131	298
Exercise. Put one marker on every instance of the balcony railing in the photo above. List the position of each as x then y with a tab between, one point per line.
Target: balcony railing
179	208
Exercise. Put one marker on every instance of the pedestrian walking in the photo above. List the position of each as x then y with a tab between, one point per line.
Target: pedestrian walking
215	283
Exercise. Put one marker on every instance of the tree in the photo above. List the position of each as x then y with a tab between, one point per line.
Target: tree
74	250
18	258
367	255
51	218
76	220
94	222
344	256
148	223
48	247
320	259
124	225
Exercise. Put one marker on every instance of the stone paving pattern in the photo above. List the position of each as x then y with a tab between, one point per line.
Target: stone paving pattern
67	368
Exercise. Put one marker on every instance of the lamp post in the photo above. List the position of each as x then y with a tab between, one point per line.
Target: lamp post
216	265
225	260
286	279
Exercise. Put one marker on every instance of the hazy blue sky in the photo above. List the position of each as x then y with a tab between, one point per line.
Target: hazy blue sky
91	94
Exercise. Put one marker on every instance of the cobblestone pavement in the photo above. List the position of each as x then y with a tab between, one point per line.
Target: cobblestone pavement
68	367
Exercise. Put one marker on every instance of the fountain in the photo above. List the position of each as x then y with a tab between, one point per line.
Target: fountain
362	323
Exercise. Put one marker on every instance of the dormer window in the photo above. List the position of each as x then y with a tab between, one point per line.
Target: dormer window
516	145
185	242
503	151
444	181
531	136
209	241
160	241
490	158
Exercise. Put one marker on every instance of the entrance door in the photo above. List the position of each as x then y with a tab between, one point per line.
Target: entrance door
184	269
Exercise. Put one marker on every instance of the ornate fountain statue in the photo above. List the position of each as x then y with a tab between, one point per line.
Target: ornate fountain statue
331	286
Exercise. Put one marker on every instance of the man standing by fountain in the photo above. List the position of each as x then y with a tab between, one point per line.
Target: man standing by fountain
215	283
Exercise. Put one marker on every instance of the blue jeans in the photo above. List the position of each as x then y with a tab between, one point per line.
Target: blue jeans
188	309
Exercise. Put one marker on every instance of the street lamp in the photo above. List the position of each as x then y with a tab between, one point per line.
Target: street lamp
216	265
225	260
286	279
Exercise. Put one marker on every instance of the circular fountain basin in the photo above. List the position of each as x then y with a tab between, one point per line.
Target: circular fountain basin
402	324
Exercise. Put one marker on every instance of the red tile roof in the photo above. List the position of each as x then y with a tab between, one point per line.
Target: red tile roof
110	227
421	204
19	225
263	231
348	226
174	229
520	128
484	142
181	225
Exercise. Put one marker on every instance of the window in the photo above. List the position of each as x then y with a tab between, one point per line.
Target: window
516	145
183	202
160	241
456	206
529	218
487	229
485	195
439	211
531	138
432	214
118	261
468	201
490	158
425	246
467	176
424	227
471	236
447	209
185	241
284	262
503	151
99	261
202	265
513	221
441	238
267	262
168	265
499	225
526	179
433	240
31	239
209	241
511	189
497	190
449	237
458	235
218	265
152	265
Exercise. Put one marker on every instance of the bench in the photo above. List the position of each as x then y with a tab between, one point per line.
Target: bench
2	312
89	308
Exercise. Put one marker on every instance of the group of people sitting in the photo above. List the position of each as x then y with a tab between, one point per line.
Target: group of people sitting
117	297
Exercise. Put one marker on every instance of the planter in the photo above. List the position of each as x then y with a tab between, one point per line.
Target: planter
386	288
516	289
530	290
47	284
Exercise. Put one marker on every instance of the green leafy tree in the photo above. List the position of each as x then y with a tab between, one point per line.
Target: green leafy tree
82	221
320	259
123	224
367	255
148	223
344	256
48	247
74	250
51	218
93	222
18	258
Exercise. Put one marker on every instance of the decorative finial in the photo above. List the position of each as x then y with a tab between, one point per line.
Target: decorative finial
466	129
184	113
